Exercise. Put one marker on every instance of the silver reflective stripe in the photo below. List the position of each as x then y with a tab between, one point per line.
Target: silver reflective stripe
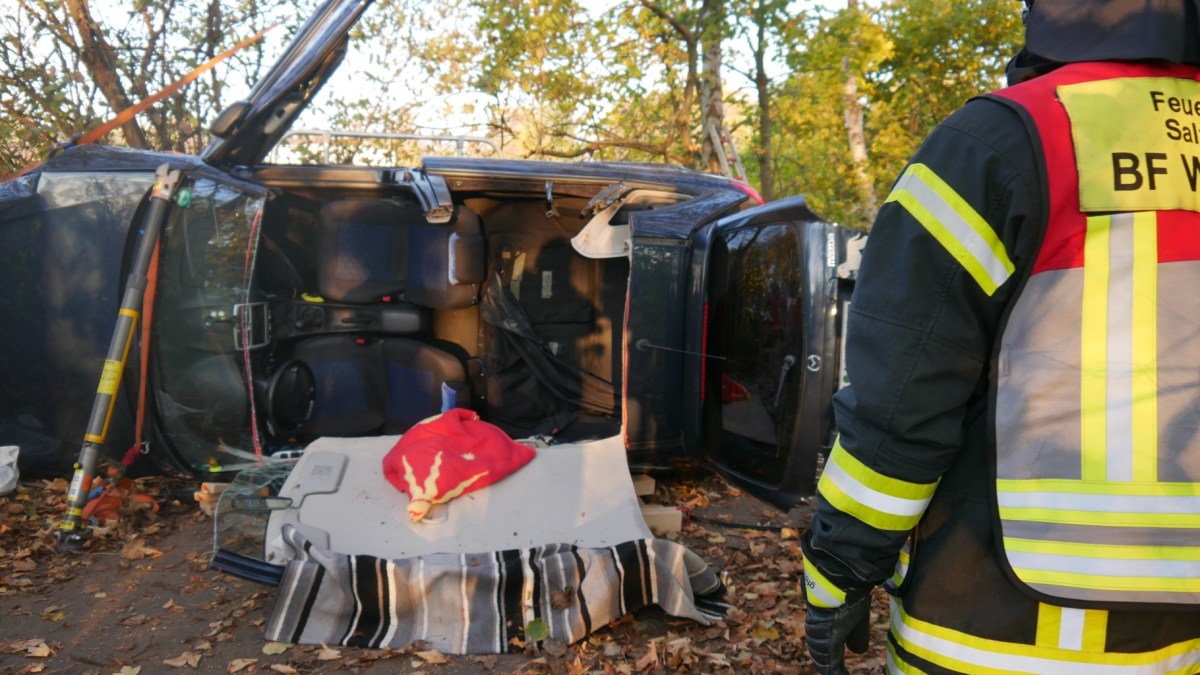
1119	380
955	224
959	652
1115	536
1070	628
1101	503
863	494
1103	567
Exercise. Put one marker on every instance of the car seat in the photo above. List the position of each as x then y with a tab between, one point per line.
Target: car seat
445	262
363	249
365	386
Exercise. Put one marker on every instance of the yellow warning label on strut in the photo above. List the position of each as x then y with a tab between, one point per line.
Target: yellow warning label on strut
110	377
1137	143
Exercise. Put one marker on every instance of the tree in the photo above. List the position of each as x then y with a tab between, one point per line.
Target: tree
769	28
65	68
914	62
640	80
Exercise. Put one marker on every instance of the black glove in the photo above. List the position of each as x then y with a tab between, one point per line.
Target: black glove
829	632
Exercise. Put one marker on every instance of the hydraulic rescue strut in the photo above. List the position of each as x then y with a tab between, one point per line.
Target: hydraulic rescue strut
71	534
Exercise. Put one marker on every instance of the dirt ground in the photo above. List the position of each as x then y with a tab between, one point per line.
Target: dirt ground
141	600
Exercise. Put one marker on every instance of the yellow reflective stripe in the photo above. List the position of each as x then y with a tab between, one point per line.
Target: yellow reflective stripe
1071	628
1094	357
967	653
1049	624
1103	551
1095	630
1145	347
897	665
955	225
1114	519
1098	488
880	501
819	591
901	570
1107	582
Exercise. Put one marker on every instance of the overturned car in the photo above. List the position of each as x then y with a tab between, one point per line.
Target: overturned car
291	302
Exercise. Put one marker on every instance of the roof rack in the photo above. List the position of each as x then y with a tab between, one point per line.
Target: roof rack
328	137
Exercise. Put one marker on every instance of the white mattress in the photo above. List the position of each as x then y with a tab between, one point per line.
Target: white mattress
577	493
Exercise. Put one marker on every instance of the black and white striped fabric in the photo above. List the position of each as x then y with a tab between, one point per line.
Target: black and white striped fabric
475	603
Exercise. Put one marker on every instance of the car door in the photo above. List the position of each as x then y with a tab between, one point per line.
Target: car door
247	130
777	281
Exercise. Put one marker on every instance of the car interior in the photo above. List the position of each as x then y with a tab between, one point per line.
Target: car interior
380	318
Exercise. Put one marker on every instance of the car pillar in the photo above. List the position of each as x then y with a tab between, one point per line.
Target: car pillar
72	533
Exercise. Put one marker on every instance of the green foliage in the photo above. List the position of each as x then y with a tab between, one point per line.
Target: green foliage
543	78
537	630
50	93
918	61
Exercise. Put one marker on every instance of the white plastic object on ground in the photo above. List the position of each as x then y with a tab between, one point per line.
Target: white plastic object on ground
8	469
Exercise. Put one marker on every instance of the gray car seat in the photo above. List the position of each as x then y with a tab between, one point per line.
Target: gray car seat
445	262
363	249
364	386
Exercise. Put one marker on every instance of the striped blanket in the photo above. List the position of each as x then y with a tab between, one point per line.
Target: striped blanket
476	603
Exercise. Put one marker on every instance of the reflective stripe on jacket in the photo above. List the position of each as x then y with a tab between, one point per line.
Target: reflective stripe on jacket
1097	398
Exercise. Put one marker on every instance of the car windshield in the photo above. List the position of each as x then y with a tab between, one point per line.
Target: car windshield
198	375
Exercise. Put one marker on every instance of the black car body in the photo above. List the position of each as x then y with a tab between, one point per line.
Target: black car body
574	300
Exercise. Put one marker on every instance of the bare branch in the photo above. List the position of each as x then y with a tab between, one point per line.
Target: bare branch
678	25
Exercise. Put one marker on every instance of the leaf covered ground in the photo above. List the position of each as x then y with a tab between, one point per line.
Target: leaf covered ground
141	600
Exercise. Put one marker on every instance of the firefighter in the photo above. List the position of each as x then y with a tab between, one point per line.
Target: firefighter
1019	452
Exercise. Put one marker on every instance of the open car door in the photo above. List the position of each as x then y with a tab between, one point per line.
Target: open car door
778	281
247	130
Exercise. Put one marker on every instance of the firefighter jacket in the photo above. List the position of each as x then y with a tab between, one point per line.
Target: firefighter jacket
1019	448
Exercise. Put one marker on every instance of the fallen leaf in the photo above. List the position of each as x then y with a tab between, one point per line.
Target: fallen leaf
433	656
53	613
136	550
537	630
238	665
650	660
562	599
129	670
185	659
765	633
273	648
171	605
284	668
37	648
789	533
327	654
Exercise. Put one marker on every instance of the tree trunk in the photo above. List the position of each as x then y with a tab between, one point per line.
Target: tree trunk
853	107
712	93
683	116
100	59
766	156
